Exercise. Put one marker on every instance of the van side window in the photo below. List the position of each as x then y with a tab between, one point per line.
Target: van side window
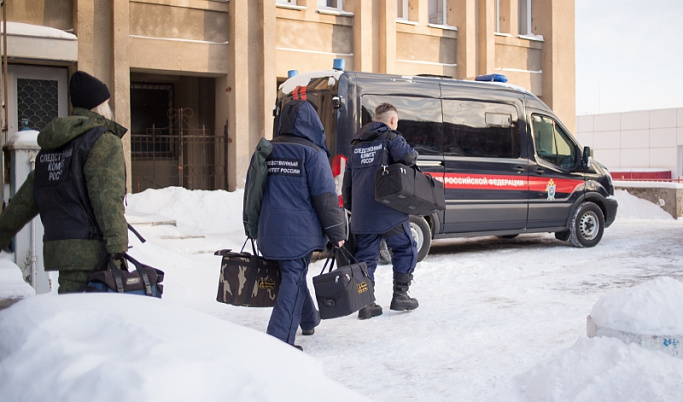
552	143
419	120
480	129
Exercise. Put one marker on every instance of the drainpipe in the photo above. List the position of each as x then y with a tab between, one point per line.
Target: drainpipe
32	257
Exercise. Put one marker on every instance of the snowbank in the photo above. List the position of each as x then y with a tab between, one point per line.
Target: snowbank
12	286
654	307
604	369
111	347
632	207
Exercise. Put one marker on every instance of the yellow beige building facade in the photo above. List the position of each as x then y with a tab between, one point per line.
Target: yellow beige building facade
196	80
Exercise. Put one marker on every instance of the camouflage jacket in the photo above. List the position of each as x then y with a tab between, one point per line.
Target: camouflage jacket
105	176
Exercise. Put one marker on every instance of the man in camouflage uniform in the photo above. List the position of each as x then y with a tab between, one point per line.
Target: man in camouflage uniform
77	187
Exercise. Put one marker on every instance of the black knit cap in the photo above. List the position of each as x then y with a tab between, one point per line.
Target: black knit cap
87	91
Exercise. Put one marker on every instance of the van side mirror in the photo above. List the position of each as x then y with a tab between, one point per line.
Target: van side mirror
586	160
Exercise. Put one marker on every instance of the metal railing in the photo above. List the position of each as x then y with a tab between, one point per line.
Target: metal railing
192	158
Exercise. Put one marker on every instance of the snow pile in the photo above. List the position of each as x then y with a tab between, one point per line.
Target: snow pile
23	139
632	207
110	347
209	212
603	369
654	307
21	29
12	285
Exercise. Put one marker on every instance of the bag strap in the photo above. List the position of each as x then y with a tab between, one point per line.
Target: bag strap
351	259
332	258
116	273
139	236
253	246
142	271
348	256
245	243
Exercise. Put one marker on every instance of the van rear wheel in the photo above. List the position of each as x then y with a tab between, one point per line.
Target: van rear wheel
422	234
587	226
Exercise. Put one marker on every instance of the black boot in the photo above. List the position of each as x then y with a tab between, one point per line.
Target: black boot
401	301
371	310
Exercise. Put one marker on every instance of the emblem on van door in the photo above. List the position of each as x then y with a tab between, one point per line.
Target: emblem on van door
550	188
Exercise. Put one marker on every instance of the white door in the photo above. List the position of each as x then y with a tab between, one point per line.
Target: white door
36	94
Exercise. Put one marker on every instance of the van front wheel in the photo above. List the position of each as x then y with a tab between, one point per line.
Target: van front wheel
422	234
587	226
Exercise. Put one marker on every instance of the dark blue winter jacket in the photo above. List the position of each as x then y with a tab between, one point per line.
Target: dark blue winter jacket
300	210
368	215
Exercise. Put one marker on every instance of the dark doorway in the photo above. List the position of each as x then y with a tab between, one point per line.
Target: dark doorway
172	138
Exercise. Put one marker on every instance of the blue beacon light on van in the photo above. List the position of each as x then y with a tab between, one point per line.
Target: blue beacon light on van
338	64
492	78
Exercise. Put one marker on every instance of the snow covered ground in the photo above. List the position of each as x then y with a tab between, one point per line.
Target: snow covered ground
499	320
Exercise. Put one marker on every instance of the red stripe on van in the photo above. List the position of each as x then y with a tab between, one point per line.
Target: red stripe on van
483	182
507	182
562	186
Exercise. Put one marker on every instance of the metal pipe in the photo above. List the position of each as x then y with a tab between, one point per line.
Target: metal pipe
5	128
33	258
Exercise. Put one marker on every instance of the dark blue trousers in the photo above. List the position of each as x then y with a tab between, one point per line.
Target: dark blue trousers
294	304
399	240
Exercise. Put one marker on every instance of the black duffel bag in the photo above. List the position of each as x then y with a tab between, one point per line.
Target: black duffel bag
408	190
344	290
145	280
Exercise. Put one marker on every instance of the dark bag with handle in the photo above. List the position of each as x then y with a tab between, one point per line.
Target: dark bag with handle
247	279
406	189
145	280
344	290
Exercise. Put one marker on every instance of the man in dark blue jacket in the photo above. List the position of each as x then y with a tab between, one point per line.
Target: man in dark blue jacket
372	221
299	213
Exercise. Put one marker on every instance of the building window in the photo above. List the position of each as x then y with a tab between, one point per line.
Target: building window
37	103
286	2
402	10
337	5
437	12
498	27
525	17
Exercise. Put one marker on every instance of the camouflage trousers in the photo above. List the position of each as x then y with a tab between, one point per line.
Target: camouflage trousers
73	281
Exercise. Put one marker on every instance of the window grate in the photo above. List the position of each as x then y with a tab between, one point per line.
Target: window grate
37	102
